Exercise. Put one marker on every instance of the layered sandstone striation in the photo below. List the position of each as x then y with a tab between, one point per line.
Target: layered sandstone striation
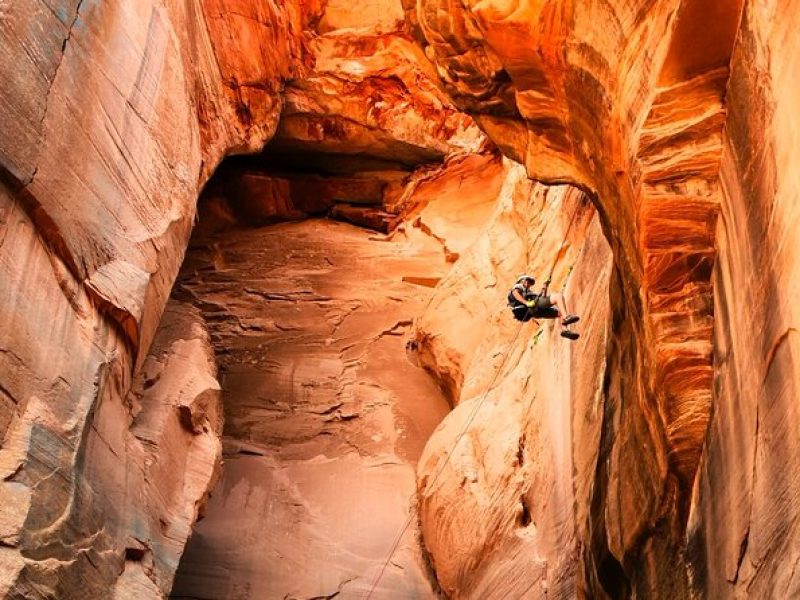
743	529
144	459
372	95
171	452
251	194
114	115
325	415
651	110
653	458
633	114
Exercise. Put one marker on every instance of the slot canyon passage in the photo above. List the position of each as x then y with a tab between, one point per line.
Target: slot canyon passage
254	259
325	415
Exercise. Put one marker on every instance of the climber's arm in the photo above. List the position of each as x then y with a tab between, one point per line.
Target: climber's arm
518	296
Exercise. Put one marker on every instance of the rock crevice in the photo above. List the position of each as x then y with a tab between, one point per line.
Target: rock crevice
652	458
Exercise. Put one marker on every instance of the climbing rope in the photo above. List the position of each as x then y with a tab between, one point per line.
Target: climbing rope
444	464
547	281
471	417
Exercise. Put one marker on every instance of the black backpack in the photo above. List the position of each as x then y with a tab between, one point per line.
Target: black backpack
512	301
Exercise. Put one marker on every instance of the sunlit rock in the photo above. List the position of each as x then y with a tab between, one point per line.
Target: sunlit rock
654	457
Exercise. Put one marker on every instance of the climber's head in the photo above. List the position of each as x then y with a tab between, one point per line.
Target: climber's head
526	280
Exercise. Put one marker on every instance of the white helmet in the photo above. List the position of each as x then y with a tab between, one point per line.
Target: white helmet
522	278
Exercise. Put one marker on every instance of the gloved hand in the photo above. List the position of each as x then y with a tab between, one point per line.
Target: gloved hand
530	303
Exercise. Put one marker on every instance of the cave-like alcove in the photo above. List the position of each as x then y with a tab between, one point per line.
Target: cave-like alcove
308	270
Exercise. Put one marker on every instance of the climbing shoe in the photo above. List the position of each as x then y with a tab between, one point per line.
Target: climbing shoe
570	335
570	319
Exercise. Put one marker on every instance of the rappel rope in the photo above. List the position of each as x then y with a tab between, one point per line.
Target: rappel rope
472	414
561	247
463	432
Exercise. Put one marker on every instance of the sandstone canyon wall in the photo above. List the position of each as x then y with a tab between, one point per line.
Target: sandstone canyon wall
654	458
668	114
325	417
505	483
113	115
743	531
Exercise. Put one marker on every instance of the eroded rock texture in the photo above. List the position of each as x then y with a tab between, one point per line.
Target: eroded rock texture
172	452
113	115
616	99
654	458
628	101
743	531
372	95
325	415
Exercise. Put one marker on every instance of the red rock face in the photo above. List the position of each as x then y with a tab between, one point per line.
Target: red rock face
256	46
744	508
640	123
652	459
113	117
629	101
373	95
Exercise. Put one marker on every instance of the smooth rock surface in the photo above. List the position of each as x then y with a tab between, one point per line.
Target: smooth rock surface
325	417
743	532
113	116
506	481
172	450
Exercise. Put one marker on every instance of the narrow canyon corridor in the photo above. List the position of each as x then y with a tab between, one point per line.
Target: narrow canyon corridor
325	416
255	258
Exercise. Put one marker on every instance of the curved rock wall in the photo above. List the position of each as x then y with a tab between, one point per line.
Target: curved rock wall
650	107
742	534
113	114
113	117
324	416
619	99
505	482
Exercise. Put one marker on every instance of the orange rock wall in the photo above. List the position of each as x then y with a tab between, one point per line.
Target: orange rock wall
373	95
113	115
624	100
742	535
505	483
673	113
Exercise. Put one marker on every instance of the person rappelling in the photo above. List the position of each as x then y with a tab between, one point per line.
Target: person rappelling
526	304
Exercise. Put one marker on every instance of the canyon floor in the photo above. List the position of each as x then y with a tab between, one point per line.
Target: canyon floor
325	412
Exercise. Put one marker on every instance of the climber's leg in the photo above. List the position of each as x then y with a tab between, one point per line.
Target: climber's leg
560	302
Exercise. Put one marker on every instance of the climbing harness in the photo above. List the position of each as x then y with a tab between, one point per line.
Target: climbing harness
474	411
